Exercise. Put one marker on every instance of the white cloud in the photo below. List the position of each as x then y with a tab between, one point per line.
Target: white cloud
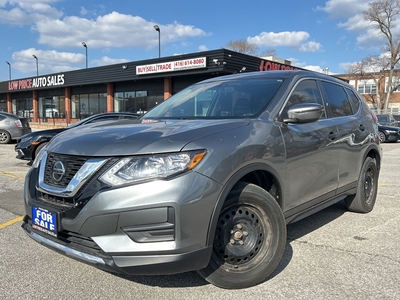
285	38
344	8
107	61
293	39
345	66
350	12
310	47
112	30
317	69
203	48
27	12
48	61
84	11
355	23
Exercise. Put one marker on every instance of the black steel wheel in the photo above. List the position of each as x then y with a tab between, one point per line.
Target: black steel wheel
249	241
367	188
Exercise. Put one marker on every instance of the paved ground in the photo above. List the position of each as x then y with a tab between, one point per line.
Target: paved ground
333	254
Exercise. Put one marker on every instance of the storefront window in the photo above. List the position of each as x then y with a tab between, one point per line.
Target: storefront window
23	107
3	104
85	105
136	102
75	107
52	107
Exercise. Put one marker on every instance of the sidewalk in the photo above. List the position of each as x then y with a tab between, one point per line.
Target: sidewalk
47	125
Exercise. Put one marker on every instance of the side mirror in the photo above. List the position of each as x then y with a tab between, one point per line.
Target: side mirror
304	113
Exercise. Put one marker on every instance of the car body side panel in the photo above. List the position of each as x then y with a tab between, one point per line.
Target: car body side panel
354	138
312	161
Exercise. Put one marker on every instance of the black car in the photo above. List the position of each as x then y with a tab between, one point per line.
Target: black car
387	119
30	144
388	133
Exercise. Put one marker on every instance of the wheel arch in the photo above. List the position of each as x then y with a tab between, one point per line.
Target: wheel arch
260	175
374	153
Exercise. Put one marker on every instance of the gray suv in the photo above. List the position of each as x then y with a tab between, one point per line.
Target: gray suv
208	179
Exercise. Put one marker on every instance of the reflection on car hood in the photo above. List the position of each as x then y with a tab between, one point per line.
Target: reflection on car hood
137	138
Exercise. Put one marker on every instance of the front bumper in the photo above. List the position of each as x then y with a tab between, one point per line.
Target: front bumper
158	227
393	137
20	154
143	265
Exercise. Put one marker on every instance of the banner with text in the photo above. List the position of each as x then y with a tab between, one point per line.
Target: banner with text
179	65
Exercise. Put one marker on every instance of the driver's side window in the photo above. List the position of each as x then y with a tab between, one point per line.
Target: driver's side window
306	91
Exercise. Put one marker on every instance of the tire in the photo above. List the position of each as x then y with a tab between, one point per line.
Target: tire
38	148
382	137
367	188
5	137
249	241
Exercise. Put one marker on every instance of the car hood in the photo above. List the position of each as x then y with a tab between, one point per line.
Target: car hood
387	127
48	132
37	135
137	137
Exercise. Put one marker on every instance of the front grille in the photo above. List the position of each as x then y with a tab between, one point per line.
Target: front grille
72	165
60	201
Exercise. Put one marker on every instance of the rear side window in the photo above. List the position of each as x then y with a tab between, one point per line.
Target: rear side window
337	100
355	101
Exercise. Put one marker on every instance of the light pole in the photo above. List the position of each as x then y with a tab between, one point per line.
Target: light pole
9	69
37	65
159	39
84	45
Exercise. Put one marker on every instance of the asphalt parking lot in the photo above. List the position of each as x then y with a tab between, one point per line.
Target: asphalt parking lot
333	254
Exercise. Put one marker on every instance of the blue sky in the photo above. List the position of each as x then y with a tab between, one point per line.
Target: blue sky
312	34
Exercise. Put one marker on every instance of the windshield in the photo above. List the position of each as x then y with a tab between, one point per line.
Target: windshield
219	99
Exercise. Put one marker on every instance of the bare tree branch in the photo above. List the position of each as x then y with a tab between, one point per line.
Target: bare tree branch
382	14
243	46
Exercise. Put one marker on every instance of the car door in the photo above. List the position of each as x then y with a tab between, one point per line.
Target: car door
311	156
353	126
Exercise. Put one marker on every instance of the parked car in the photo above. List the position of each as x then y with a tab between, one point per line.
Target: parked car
387	119
388	133
208	179
397	118
12	127
30	144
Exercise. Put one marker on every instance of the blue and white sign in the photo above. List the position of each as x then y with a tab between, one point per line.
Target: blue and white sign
44	220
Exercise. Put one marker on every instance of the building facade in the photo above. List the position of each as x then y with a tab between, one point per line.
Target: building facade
66	97
374	85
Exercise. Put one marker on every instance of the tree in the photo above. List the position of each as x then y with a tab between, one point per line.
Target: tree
243	46
268	52
382	14
372	68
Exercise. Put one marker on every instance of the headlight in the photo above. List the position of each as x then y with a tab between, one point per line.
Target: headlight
392	131
25	140
39	157
133	169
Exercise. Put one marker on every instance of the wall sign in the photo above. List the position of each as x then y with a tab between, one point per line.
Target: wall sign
36	82
270	66
179	65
